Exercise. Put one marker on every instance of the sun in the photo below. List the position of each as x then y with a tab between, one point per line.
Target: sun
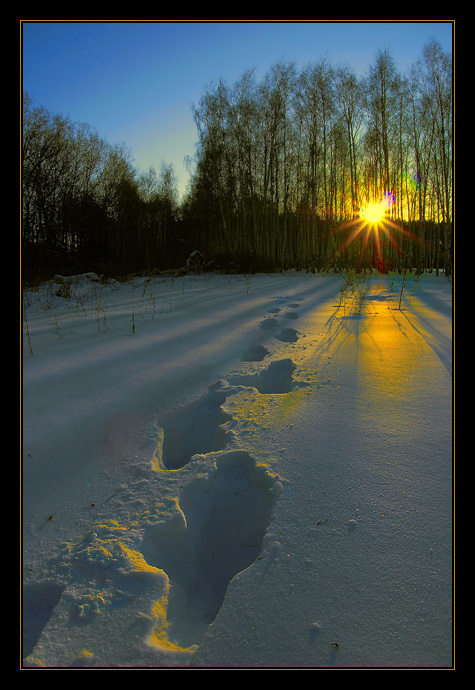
374	231
378	238
373	213
376	212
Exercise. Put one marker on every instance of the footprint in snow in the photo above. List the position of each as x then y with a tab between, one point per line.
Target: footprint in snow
276	378
255	353
196	428
268	324
217	532
287	335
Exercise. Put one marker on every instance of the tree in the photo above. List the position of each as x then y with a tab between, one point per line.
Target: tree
349	98
436	73
381	106
316	103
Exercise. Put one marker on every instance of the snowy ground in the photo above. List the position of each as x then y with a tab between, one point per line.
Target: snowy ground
231	471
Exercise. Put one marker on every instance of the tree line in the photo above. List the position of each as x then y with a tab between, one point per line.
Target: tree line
85	206
282	168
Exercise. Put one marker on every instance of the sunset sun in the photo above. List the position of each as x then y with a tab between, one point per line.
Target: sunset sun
373	231
373	213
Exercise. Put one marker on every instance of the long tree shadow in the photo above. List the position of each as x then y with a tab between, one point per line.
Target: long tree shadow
439	343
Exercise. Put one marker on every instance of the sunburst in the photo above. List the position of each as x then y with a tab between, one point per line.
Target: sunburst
371	226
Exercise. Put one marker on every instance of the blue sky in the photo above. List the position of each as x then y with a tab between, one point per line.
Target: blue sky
135	82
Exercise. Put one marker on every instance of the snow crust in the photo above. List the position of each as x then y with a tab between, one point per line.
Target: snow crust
237	472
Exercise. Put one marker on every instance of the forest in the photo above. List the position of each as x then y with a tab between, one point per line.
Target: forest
283	171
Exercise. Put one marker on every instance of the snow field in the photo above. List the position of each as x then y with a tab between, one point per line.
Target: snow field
197	474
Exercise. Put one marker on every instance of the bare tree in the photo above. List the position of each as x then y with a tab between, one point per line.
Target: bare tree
381	94
349	103
436	73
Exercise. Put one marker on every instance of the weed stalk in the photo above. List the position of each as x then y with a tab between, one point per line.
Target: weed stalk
133	309
27	330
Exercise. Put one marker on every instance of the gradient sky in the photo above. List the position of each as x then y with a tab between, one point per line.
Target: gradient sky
135	82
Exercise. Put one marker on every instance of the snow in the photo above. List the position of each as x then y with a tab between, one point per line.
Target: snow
229	471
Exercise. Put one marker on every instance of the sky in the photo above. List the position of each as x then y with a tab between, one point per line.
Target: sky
135	82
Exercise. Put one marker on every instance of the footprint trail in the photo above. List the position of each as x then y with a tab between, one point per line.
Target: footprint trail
177	559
